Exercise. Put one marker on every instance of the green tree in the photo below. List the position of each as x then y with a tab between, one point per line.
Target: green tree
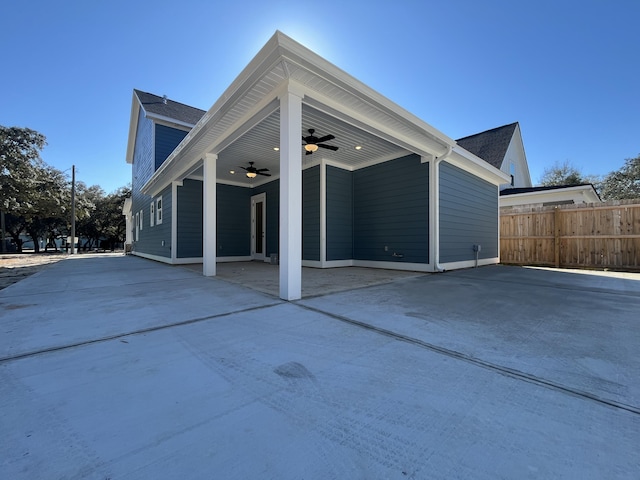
19	159
623	183
560	174
105	222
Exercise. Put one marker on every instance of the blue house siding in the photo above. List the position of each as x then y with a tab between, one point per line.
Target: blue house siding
167	139
150	240
339	214
311	214
272	191
189	220
143	166
391	209
234	221
468	215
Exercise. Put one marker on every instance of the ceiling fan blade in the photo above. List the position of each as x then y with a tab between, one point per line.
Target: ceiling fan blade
329	147
265	174
308	152
262	170
326	138
244	168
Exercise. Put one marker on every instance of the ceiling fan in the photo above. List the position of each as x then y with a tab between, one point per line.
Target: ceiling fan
312	143
252	171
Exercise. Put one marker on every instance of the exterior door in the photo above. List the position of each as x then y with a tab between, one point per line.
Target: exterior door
258	223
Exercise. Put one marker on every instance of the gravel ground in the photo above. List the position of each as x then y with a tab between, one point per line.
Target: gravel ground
17	266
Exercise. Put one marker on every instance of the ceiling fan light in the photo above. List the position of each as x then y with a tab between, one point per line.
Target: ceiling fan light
251	174
311	147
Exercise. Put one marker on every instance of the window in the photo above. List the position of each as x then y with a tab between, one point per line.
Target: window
152	215
141	219
137	225
159	211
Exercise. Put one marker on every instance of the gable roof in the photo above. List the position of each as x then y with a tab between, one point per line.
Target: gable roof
155	106
491	145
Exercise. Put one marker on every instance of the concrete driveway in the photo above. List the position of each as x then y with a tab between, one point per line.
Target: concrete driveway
118	367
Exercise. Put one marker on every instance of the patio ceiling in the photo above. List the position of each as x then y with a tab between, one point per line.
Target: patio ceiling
257	145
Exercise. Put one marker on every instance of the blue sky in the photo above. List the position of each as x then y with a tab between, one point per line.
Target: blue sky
567	70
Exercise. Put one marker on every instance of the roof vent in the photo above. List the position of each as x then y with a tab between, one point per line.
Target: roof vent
164	99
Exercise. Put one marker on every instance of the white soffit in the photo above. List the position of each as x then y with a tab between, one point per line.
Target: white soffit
334	103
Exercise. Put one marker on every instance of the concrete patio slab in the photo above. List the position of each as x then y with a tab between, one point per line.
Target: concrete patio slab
576	330
263	277
437	376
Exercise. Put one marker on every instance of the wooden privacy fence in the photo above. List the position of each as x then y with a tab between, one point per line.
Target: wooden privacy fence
603	235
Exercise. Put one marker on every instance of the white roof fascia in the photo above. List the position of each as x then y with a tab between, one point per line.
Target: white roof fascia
278	49
133	127
302	56
524	154
469	162
262	63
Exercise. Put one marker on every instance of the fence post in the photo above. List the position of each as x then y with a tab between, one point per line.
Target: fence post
556	235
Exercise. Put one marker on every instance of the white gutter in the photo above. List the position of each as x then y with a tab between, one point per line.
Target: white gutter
434	191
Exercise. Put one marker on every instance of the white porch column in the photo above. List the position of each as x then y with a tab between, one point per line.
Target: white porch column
209	215
290	196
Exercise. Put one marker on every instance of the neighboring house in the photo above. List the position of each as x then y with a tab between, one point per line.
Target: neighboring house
503	148
549	195
397	193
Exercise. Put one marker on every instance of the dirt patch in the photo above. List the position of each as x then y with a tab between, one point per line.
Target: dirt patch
16	267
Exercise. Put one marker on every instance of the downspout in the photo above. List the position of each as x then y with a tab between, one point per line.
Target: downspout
434	174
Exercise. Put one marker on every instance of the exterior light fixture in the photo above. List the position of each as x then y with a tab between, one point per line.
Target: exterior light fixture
277	149
311	147
358	147
232	172
251	174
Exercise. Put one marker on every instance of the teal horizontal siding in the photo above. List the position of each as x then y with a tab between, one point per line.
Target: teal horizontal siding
234	221
311	214
151	238
189	221
391	209
468	215
167	139
339	214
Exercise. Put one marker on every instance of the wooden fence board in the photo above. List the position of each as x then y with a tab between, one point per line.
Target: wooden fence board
603	235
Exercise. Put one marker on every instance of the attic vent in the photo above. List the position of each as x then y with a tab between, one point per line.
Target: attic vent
164	99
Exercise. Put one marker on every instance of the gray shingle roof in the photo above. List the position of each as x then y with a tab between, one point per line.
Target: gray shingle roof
175	110
491	145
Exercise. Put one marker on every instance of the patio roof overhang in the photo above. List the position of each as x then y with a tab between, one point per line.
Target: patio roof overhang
243	124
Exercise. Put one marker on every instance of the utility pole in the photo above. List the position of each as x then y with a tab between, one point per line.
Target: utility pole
73	209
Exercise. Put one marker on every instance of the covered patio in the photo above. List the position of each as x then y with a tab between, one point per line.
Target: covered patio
285	90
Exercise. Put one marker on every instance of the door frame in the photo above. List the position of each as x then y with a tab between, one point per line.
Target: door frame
255	200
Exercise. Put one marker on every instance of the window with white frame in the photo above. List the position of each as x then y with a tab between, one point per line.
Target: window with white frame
137	225
152	215
159	211
141	219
